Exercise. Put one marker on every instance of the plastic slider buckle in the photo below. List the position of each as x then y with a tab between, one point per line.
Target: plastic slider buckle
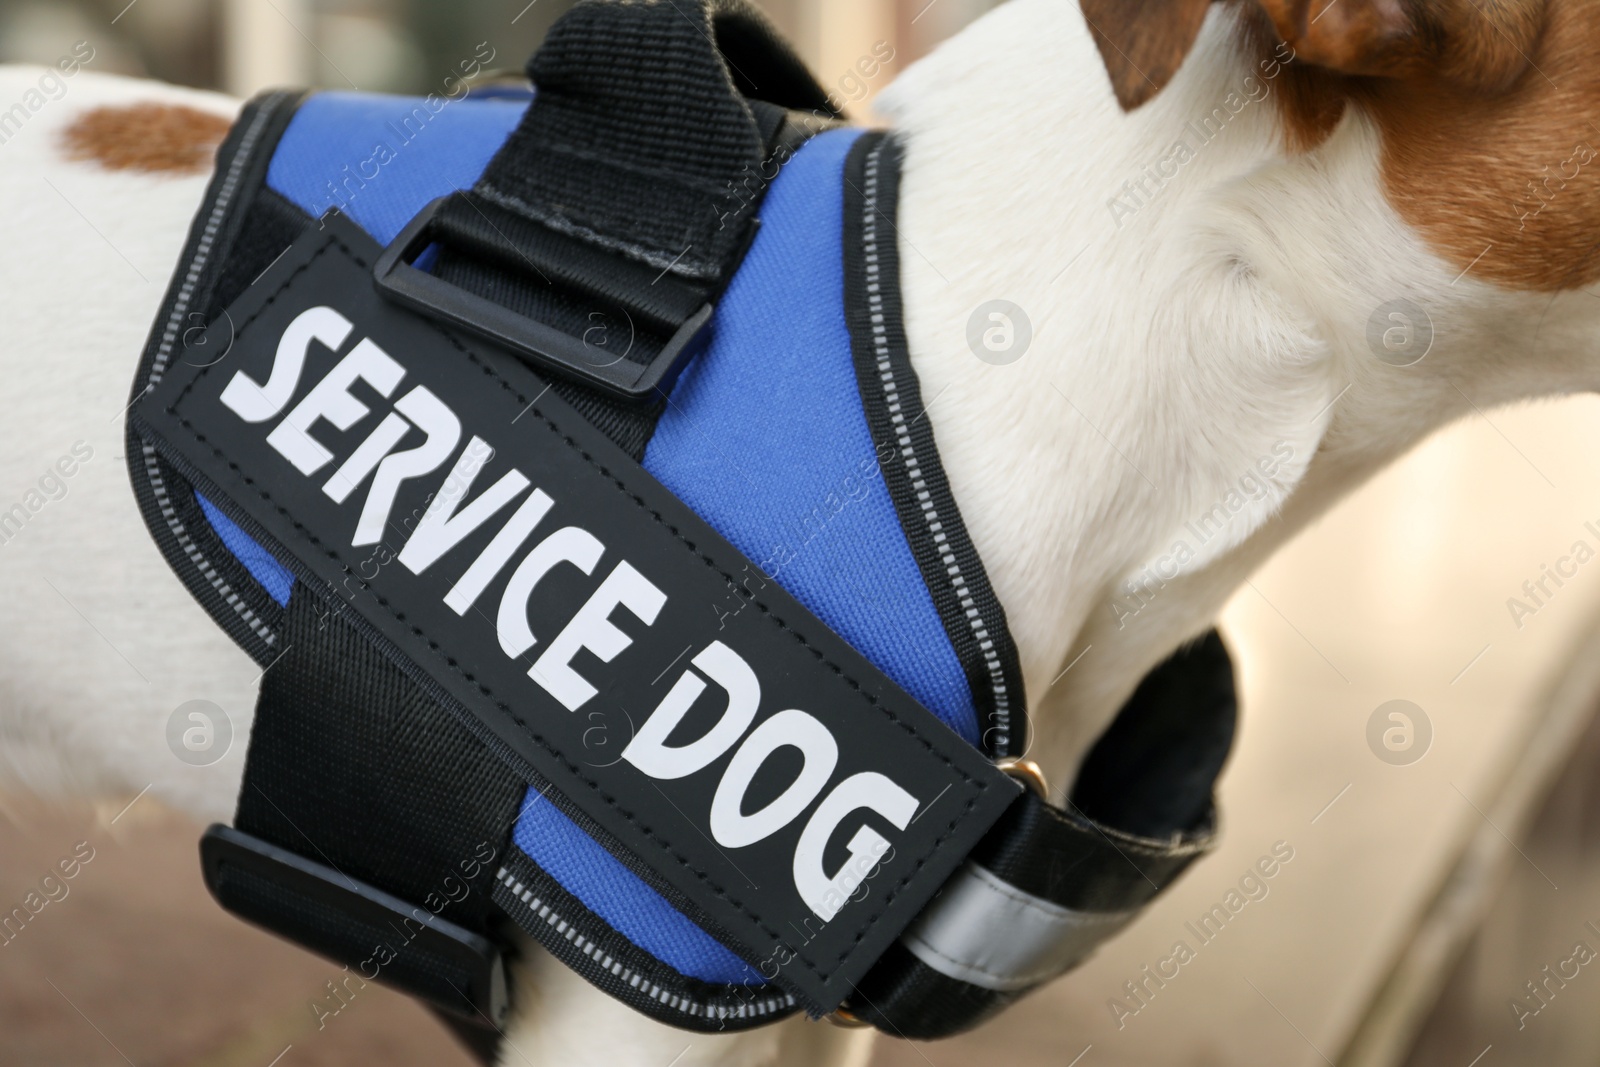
542	345
378	936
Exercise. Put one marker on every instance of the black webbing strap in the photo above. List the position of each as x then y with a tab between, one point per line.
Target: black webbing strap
624	200
352	763
354	769
636	104
1141	812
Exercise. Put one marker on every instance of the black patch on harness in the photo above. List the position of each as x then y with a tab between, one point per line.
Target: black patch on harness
631	572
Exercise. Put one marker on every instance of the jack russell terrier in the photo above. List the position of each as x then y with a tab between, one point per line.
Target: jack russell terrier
1225	251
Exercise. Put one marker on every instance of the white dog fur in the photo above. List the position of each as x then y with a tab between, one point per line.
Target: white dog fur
1172	349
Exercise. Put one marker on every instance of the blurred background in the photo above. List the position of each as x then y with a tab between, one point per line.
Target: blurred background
1428	897
242	46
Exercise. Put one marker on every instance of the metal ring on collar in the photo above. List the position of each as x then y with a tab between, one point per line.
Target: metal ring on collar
1028	773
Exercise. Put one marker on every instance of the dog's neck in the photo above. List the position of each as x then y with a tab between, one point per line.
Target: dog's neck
1201	382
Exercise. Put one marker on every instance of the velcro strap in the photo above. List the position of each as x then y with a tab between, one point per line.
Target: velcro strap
1048	885
986	932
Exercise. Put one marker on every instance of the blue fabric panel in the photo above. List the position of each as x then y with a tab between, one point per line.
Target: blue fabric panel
382	158
273	576
766	440
621	898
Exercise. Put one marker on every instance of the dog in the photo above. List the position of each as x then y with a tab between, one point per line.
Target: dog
1263	247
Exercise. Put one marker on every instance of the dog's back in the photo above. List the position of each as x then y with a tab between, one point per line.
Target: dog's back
99	177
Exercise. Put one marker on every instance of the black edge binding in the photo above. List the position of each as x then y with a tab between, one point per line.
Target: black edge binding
954	573
197	556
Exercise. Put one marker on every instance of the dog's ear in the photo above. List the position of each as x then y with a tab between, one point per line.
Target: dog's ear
1143	42
1478	46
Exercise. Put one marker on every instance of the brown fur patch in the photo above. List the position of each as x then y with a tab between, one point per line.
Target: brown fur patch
1478	46
154	138
1488	145
1499	171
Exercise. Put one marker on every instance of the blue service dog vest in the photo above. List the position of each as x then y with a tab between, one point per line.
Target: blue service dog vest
796	433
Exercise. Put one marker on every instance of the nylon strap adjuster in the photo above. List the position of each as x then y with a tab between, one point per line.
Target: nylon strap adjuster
375	934
547	348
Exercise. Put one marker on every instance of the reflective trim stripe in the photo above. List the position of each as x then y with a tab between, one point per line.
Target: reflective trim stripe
988	933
